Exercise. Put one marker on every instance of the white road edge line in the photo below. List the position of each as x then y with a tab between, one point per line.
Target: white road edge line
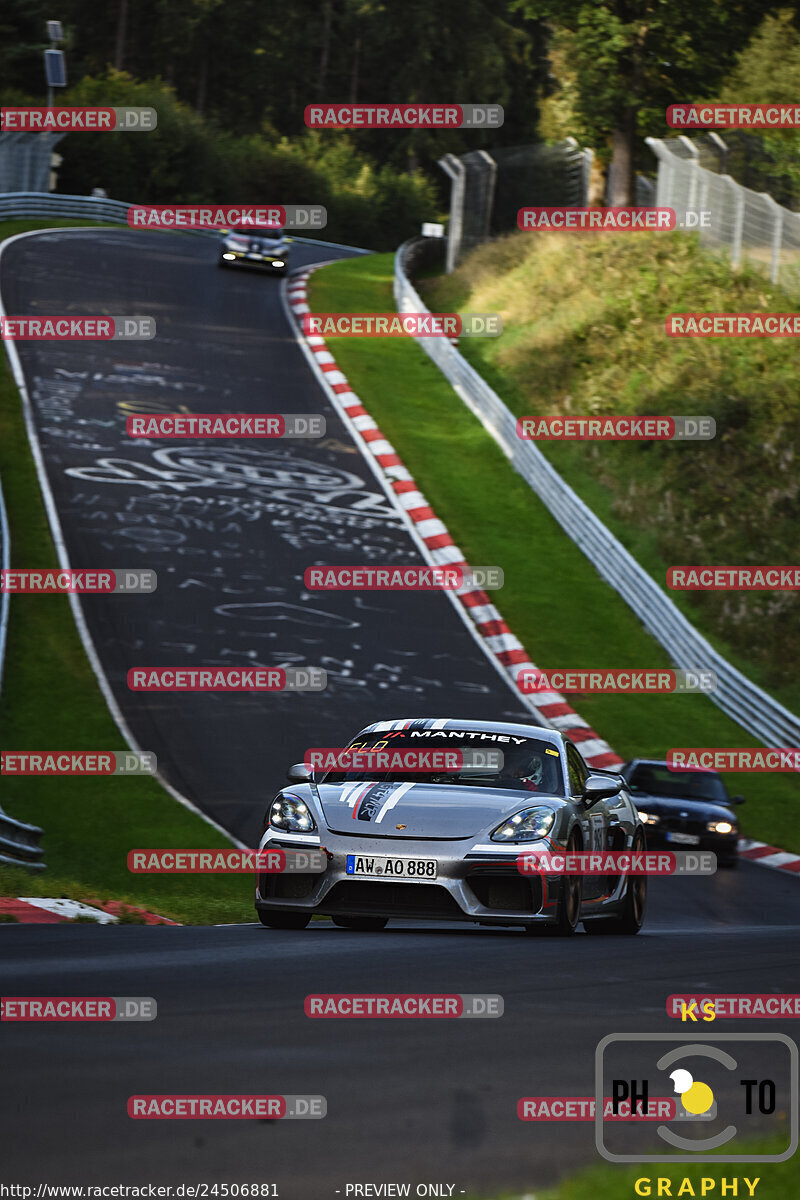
426	553
63	557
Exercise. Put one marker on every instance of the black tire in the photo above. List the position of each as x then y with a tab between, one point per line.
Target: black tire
362	924
729	864
631	919
569	904
284	920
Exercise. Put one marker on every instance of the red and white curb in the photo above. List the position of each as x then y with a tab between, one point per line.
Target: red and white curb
769	856
497	637
36	910
507	650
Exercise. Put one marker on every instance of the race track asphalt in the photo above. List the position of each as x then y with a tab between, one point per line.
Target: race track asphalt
228	525
230	531
408	1100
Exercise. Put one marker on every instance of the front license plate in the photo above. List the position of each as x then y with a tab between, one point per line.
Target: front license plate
422	869
258	256
683	839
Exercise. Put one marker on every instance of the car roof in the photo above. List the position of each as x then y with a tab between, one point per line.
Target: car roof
662	762
553	736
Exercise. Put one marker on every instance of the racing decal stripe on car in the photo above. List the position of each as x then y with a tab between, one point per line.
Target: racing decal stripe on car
392	800
507	650
352	793
379	797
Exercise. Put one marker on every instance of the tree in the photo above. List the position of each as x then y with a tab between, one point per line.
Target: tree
634	57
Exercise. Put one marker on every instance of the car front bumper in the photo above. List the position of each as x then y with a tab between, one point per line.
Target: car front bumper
263	262
471	885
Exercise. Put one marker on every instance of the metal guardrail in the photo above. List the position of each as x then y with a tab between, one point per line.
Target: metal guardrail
19	844
751	707
5	598
107	212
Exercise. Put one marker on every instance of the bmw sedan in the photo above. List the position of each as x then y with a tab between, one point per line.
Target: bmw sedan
683	809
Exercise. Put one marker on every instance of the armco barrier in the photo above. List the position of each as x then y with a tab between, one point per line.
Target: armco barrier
16	205
19	843
5	562
736	695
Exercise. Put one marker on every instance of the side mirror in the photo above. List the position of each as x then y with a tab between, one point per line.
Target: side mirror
300	773
737	800
600	787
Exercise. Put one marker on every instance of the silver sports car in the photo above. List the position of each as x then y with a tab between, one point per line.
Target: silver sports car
443	845
260	246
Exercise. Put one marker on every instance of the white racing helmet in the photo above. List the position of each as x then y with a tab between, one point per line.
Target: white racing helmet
533	770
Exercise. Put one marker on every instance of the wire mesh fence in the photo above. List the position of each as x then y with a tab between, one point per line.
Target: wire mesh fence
750	226
488	189
26	161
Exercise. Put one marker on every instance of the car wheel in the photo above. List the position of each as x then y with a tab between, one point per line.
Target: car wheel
284	920
362	924
569	904
631	918
729	863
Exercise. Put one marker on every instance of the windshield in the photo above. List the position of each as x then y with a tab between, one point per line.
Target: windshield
528	764
680	785
263	231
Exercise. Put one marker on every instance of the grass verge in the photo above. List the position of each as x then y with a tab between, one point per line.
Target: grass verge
51	700
553	599
775	1181
585	334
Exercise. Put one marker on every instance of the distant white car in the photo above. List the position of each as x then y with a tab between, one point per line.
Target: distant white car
256	246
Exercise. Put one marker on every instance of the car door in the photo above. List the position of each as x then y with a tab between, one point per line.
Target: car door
594	821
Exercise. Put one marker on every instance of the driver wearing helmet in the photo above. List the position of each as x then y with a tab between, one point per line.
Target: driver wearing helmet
532	774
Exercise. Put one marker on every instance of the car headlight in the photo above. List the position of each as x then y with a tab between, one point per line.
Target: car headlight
648	818
278	262
526	826
720	827
292	814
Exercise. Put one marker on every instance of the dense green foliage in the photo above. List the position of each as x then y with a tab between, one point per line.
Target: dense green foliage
584	334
